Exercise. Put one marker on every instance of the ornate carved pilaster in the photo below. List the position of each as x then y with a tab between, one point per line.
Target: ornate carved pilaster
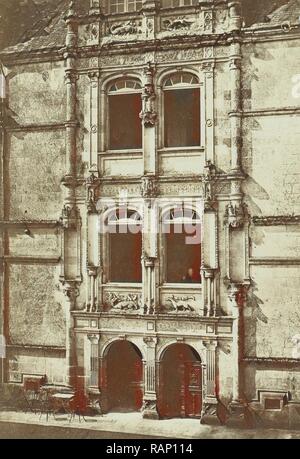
93	116
150	234
149	25
71	292
149	408
236	104
94	361
209	414
149	297
209	292
148	116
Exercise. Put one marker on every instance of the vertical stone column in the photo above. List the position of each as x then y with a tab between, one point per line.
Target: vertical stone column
70	219
93	238
93	369
209	414
150	240
236	297
235	114
148	116
149	408
209	262
71	292
208	133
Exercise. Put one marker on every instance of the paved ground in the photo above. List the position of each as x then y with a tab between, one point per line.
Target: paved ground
123	425
29	431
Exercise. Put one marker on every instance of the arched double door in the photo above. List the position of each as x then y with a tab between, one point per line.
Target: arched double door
180	382
123	377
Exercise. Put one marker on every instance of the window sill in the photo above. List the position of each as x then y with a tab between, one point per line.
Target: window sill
122	284
122	152
199	149
182	286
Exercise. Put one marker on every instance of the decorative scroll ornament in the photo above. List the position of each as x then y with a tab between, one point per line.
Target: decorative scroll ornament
181	304
208	182
129	302
235	215
149	186
148	114
131	27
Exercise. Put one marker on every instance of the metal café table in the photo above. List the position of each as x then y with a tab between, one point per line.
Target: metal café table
62	402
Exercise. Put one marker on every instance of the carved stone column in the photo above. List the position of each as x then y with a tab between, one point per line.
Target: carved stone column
209	414
236	101
149	408
71	292
209	262
148	116
93	249
94	361
150	241
237	297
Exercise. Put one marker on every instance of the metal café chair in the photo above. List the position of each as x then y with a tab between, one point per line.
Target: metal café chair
31	390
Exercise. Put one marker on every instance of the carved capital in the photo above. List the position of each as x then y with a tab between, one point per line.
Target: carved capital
150	341
94	338
70	216
71	77
149	186
237	294
235	215
71	291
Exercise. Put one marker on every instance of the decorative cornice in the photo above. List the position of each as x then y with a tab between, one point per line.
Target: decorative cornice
31	260
29	223
278	220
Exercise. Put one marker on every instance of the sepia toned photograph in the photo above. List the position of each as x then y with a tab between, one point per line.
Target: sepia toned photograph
150	222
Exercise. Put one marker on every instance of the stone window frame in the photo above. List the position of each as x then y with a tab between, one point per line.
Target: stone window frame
137	6
162	249
109	92
161	123
131	210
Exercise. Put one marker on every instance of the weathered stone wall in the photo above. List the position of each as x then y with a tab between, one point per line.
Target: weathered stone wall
35	306
272	164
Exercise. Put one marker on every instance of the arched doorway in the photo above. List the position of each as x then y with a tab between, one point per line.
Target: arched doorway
124	377
180	388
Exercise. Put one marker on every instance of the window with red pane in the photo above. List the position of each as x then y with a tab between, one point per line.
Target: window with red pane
181	111
125	246
182	235
125	105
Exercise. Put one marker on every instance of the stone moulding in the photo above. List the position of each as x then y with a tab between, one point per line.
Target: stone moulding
276	220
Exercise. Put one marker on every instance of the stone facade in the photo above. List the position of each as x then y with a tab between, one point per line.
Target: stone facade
61	315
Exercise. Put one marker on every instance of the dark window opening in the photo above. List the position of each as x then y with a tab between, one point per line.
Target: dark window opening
182	117
272	404
125	254
125	125
183	258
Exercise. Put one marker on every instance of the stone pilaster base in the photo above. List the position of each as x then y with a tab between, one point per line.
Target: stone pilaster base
237	415
149	409
210	413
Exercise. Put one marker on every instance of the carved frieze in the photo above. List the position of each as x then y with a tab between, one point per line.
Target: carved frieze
181	304
132	27
177	23
123	302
